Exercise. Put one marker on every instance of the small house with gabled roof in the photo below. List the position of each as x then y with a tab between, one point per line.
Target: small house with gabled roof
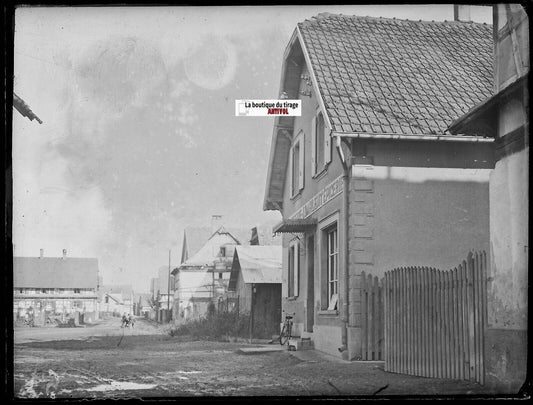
255	281
368	179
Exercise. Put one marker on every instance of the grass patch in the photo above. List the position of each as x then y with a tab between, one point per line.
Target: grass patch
214	326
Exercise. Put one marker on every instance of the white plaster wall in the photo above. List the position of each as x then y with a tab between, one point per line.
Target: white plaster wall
509	242
328	339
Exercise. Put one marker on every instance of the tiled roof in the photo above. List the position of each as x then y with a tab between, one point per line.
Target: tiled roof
381	75
194	238
51	272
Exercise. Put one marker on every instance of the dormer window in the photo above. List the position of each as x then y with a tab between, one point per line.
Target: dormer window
320	143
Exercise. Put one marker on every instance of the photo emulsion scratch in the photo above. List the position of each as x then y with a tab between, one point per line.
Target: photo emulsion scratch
296	201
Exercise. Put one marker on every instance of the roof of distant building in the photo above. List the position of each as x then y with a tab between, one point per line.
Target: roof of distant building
52	272
125	291
193	240
258	264
24	109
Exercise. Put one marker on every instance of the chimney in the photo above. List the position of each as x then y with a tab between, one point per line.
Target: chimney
461	12
64	253
216	222
41	253
255	237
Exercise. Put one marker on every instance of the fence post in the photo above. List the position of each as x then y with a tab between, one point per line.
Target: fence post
471	315
483	312
386	318
364	318
370	318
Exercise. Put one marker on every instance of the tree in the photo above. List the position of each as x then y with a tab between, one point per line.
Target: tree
154	302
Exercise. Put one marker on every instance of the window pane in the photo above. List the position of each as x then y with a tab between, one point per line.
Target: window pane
332	263
291	270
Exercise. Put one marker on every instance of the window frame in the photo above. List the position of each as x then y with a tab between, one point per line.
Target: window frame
326	226
332	263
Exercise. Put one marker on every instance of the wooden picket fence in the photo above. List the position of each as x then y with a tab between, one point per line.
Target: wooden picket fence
435	320
371	317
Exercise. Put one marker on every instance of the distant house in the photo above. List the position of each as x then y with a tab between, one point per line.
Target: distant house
163	292
205	275
255	281
141	304
207	255
368	179
116	299
46	287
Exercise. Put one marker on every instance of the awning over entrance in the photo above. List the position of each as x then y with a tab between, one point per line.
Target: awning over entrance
295	225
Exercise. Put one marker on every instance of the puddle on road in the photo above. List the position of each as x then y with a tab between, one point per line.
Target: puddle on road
32	359
121	385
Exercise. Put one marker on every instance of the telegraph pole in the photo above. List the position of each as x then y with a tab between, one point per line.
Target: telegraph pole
168	287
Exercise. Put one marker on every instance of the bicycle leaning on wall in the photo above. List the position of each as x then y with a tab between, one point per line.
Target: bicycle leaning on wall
286	330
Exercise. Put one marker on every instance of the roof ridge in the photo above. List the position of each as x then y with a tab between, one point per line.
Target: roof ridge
326	15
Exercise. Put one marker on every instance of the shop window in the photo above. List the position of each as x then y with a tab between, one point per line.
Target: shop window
294	270
296	164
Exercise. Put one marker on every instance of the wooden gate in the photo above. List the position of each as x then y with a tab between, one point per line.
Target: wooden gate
435	320
371	317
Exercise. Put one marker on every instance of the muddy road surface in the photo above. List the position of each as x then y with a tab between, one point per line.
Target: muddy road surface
105	361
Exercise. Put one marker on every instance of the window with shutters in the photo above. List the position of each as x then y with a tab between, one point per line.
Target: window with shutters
296	165
320	143
294	269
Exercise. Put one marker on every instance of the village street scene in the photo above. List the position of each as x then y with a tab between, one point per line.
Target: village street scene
318	201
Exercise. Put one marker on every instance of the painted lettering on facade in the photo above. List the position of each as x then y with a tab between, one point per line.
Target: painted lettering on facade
325	195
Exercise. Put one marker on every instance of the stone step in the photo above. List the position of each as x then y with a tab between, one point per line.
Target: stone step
301	343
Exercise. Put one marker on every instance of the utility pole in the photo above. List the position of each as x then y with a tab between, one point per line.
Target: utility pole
168	287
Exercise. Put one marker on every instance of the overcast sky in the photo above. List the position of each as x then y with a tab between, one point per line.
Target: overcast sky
139	137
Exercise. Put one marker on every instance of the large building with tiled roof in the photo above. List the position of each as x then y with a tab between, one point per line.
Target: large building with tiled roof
49	288
368	179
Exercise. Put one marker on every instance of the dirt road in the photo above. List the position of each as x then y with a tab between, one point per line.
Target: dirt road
146	362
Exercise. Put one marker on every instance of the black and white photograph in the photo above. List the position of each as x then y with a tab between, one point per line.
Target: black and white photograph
290	201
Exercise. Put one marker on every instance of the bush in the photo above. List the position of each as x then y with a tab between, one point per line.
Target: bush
215	325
